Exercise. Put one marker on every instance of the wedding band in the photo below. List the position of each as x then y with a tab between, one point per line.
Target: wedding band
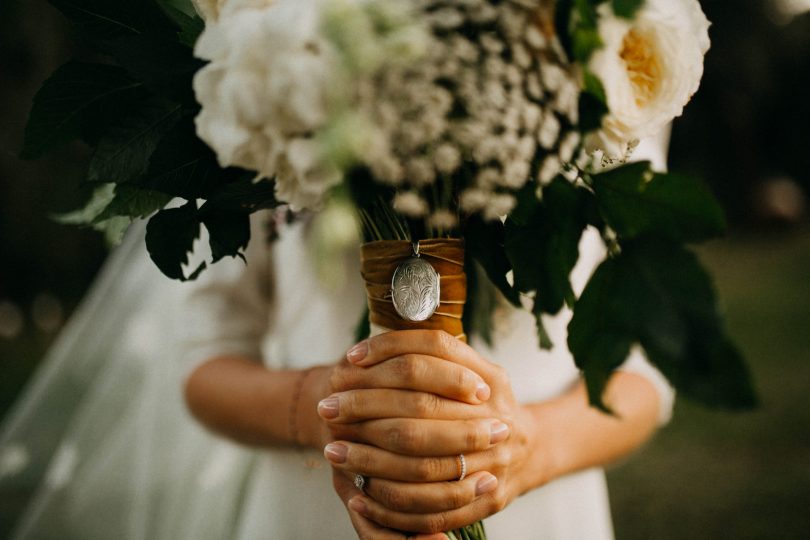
360	482
462	461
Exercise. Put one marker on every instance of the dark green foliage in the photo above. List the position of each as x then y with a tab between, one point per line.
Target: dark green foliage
133	203
656	293
626	8
123	153
636	202
544	249
170	237
485	244
138	115
78	101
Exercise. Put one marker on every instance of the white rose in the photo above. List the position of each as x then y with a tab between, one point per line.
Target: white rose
650	68
265	91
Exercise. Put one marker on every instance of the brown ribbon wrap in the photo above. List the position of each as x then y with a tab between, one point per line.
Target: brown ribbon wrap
379	260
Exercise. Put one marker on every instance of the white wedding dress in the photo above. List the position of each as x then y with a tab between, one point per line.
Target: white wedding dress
102	447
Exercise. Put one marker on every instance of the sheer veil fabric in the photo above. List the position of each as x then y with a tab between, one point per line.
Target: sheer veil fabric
101	446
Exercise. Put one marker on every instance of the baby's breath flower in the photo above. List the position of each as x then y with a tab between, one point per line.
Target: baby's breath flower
410	204
443	220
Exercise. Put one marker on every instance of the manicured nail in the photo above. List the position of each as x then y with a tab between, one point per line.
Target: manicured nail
498	432
485	484
358	505
335	452
358	352
482	391
329	408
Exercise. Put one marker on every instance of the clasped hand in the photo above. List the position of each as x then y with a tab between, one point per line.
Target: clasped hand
400	411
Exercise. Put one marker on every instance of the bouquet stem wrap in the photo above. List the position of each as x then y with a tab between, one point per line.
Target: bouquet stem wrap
379	260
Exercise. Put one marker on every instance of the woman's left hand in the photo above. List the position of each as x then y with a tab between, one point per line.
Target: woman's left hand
421	499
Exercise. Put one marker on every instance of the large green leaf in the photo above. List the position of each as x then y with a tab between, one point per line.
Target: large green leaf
112	227
170	237
485	245
636	202
105	19
228	234
161	61
133	202
242	197
655	293
78	100
184	166
544	249
123	154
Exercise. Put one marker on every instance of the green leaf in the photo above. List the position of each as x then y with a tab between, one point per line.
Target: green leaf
184	15
133	202
485	243
113	227
242	197
592	103
170	237
228	234
543	250
656	294
164	64
626	8
101	197
123	154
103	20
184	7
636	202
77	100
184	166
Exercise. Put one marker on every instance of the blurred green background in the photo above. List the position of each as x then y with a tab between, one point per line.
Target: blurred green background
709	474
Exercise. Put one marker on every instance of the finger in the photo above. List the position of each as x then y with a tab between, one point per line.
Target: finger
482	507
429	342
415	372
422	437
360	405
365	528
426	498
377	463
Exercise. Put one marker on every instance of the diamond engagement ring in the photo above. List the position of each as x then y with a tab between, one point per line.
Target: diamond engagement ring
462	462
360	482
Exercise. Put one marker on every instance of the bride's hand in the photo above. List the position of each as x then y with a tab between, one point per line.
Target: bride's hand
410	492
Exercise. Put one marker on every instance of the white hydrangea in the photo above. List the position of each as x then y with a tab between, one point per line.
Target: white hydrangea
650	68
264	92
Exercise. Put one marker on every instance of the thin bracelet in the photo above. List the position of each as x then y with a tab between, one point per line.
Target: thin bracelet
296	398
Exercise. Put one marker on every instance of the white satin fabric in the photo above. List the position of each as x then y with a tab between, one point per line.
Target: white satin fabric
101	446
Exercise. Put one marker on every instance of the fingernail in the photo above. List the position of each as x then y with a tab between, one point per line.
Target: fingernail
498	432
329	408
482	391
358	352
358	505
486	484
336	453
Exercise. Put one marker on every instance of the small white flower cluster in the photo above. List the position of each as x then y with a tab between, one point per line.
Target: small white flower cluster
492	104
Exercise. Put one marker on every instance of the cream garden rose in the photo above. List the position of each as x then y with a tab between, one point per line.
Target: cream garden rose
650	68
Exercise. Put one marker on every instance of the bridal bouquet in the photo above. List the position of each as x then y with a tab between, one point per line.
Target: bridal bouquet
475	141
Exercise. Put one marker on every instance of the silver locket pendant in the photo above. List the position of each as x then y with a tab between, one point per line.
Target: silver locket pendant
415	288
